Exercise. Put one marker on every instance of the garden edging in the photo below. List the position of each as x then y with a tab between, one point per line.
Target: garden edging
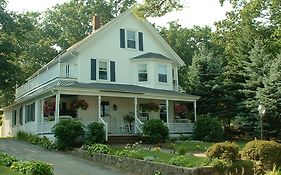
142	167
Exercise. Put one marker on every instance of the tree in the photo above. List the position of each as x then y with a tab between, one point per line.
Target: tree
270	96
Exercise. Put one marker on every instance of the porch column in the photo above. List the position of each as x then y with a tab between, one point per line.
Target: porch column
195	107
167	112
57	111
99	112
42	113
37	115
136	112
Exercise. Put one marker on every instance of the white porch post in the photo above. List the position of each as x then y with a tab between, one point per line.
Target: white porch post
57	112
167	112
136	112
37	106
195	107
42	113
99	112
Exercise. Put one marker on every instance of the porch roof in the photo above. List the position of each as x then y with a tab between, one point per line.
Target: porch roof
123	88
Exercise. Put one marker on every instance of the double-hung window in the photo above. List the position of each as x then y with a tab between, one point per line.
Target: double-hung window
131	39
103	70
162	73
142	72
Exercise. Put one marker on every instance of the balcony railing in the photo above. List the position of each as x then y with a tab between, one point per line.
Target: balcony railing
49	76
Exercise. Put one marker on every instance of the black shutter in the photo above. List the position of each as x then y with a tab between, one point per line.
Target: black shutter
122	38
93	69
140	41
112	71
21	115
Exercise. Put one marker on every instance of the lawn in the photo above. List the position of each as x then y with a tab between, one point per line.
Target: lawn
7	171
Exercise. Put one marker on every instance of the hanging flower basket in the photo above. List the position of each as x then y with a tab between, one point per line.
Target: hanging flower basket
49	109
180	110
149	106
82	104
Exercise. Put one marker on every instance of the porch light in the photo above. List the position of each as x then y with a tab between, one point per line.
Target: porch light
261	110
115	107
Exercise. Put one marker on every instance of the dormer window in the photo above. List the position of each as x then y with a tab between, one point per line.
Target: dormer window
102	70
142	72
162	73
131	39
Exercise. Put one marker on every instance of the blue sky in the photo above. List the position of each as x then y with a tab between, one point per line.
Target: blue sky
196	12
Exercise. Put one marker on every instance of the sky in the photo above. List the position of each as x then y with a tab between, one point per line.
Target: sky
195	12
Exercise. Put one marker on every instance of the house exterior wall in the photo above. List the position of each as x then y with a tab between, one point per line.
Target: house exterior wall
106	47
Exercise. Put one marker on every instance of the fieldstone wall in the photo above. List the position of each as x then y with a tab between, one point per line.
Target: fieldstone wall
141	167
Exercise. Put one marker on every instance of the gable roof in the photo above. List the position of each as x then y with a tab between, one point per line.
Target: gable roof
82	43
151	55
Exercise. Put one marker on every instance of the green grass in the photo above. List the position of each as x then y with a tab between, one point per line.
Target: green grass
7	171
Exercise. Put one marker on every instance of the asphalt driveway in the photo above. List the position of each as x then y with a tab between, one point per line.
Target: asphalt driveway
63	164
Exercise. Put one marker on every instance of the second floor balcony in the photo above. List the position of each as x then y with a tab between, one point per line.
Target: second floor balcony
50	77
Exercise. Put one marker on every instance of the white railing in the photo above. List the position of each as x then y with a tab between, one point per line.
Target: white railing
61	70
138	125
46	127
105	127
178	128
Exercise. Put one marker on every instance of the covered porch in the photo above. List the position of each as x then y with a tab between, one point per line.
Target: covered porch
122	113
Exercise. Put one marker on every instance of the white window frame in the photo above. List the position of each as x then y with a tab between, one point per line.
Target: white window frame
165	72
107	70
136	39
143	72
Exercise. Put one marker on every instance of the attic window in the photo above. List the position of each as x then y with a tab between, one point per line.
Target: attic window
102	70
131	39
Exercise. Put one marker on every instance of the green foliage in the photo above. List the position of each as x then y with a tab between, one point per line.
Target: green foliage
36	140
98	148
273	172
236	167
129	153
67	132
33	168
7	160
268	152
226	151
96	133
182	151
179	161
208	129
155	131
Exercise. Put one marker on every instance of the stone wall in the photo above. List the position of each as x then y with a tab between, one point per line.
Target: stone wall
141	167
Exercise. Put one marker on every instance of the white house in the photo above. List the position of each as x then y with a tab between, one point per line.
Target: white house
120	69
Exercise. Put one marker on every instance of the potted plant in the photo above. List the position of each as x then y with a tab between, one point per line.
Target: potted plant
180	110
129	118
49	110
76	104
149	107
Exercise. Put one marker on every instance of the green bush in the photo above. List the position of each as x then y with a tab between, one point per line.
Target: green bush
7	160
46	143
67	133
268	152
155	131
226	150
273	172
33	168
129	153
182	151
98	148
178	161
236	167
24	136
96	133
208	129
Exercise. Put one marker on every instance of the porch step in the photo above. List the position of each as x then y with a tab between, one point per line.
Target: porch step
123	139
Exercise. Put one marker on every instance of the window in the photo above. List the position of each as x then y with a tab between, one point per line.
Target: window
67	70
14	118
104	107
163	112
162	73
143	72
131	39
30	113
102	70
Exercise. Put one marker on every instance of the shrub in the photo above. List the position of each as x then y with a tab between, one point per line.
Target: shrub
182	151
273	172
96	133
67	132
268	152
46	143
33	168
98	148
227	151
243	167
24	136
129	153
155	131
7	160
208	129
178	161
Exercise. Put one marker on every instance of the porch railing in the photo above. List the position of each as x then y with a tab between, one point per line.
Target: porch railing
105	127
138	125
180	128
46	127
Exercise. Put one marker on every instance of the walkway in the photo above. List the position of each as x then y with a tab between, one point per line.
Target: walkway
63	164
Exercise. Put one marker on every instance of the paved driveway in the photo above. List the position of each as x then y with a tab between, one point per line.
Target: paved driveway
63	164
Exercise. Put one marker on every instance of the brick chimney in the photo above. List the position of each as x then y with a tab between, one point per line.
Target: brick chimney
96	23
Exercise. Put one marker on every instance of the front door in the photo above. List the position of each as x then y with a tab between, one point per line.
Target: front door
105	114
